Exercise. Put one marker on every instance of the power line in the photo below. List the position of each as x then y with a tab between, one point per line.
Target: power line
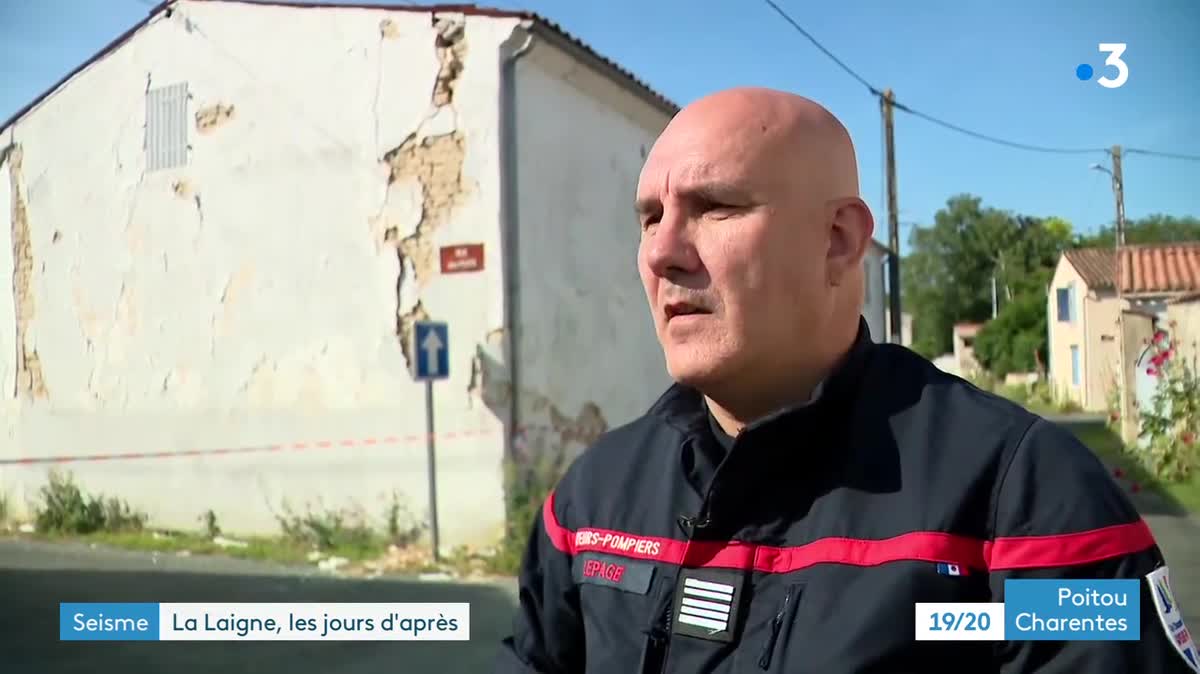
875	91
1167	155
848	69
993	139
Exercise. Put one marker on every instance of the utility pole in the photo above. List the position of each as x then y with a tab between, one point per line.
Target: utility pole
893	218
1128	423
994	307
1119	192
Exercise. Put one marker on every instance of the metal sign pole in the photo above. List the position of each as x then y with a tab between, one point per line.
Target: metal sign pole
433	513
431	342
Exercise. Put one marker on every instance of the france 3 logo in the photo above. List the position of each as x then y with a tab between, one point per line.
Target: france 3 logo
1115	50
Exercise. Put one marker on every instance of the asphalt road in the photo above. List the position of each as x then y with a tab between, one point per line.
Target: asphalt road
35	577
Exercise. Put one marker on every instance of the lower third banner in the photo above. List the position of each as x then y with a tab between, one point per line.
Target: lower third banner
264	622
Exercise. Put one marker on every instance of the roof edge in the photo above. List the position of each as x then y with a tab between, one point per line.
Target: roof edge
536	23
104	51
1105	284
559	38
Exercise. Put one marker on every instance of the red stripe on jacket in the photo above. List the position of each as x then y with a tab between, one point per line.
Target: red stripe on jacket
1003	553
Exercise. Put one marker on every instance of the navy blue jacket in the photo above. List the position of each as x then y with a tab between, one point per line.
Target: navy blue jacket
806	544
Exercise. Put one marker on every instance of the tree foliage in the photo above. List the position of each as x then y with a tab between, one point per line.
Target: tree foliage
1155	228
1014	341
947	278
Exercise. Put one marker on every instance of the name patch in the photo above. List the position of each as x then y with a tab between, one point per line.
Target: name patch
615	572
586	538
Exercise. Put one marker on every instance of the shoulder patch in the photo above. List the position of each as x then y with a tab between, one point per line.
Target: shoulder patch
1171	617
707	602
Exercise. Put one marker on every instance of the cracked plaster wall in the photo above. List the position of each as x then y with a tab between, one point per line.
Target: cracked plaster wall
582	307
255	295
8	314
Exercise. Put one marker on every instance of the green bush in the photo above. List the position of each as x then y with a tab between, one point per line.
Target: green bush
66	509
211	528
527	489
1041	395
329	530
1009	342
402	527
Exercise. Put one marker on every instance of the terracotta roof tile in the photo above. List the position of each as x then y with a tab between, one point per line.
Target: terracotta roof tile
1097	266
1160	268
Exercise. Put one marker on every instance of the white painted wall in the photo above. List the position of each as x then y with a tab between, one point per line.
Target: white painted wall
874	301
250	298
586	335
8	320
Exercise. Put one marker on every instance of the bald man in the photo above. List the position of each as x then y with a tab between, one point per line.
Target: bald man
784	505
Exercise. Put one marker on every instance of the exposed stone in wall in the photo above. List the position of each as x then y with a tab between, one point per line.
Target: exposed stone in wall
489	380
30	382
435	162
388	29
212	116
582	429
451	47
404	329
550	435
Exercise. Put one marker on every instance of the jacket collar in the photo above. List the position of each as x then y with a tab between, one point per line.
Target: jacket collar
683	407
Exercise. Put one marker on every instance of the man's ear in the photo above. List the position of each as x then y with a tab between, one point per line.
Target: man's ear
850	232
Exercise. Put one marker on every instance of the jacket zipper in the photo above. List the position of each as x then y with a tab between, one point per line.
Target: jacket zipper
660	641
764	659
667	634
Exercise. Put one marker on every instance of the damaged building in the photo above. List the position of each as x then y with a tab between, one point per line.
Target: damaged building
225	225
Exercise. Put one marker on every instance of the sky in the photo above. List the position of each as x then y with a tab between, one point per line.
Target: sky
1006	70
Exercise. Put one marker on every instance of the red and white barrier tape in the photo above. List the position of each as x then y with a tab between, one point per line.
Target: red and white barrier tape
412	439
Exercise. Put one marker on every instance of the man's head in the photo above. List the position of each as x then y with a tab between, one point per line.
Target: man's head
753	235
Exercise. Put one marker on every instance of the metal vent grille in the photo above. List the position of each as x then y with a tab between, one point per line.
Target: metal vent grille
166	127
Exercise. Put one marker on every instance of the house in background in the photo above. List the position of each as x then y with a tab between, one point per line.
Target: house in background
875	297
964	348
875	290
227	225
906	326
1086	305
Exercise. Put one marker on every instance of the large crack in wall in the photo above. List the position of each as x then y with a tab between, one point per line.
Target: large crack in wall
30	382
435	162
551	436
548	434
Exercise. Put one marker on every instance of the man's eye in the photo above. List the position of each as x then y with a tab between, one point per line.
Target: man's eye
719	210
649	221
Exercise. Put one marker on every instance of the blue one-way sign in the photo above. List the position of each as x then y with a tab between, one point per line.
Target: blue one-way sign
431	341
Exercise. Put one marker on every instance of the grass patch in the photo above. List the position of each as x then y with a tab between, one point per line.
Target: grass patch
1108	446
264	549
67	512
526	489
67	509
1036	398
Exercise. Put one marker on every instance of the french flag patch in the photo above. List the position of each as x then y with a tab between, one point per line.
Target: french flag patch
951	570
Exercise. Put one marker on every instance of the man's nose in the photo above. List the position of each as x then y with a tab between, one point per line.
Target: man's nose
670	249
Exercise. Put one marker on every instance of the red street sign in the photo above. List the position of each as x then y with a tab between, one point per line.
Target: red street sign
463	257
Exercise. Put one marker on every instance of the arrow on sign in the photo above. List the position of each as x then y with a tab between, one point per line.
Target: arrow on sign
431	345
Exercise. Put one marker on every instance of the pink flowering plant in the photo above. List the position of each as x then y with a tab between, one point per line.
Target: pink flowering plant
1170	424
